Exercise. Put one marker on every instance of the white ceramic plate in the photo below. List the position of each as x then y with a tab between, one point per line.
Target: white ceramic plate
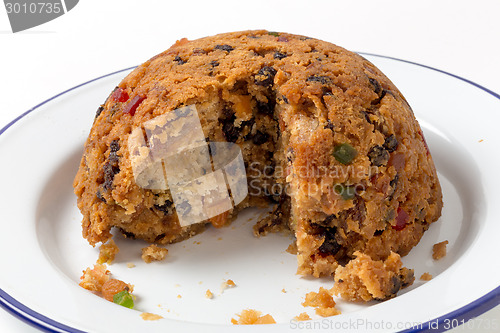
43	252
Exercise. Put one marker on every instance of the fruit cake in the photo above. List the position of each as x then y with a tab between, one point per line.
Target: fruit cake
324	137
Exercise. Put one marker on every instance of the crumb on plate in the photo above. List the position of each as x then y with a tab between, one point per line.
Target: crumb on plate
322	301
439	250
292	248
150	316
107	252
426	277
252	317
302	317
93	279
227	284
209	294
153	253
130	265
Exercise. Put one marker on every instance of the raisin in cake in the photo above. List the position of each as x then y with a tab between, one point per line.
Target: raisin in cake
326	138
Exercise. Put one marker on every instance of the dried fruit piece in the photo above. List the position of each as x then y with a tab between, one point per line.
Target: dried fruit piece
260	138
330	245
347	192
220	220
113	287
378	155
224	47
133	104
397	160
179	60
265	76
391	143
99	111
344	153
279	55
319	78
377	88
111	166
119	95
124	298
401	219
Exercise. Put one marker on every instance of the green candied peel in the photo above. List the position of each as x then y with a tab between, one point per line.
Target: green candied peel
346	192
344	153
274	33
124	298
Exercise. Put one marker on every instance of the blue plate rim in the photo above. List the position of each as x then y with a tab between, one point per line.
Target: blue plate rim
439	324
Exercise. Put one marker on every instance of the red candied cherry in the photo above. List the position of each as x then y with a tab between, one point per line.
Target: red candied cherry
119	95
401	219
133	104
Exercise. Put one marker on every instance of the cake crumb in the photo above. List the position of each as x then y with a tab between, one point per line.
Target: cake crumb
426	277
322	301
252	317
93	279
481	140
219	239
227	284
292	248
179	296
107	252
302	317
130	265
153	253
209	294
439	250
283	291
150	316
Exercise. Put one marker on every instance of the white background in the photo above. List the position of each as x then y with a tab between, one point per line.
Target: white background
99	37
